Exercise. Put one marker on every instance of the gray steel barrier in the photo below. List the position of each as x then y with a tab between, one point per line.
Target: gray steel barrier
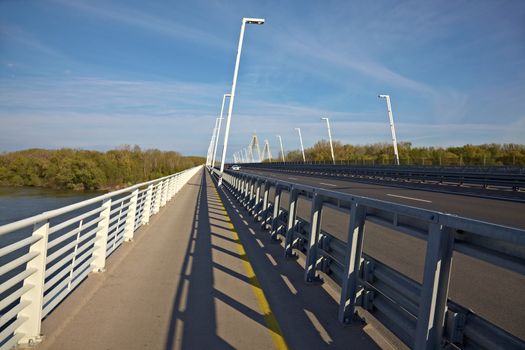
510	178
420	315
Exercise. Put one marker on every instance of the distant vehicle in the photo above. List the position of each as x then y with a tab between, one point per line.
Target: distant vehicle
236	167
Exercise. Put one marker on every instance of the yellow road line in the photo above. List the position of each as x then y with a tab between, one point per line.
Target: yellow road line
269	317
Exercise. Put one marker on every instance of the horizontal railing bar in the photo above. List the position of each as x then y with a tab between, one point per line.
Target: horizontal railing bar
20	244
12	342
14	296
51	294
51	257
13	312
79	272
12	327
49	284
55	228
17	262
60	263
123	199
52	213
63	238
16	279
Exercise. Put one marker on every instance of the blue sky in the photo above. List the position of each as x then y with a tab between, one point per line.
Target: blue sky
98	74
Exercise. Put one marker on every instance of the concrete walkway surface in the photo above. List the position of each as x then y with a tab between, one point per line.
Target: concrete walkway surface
200	276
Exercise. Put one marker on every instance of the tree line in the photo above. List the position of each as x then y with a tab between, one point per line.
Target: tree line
89	170
383	153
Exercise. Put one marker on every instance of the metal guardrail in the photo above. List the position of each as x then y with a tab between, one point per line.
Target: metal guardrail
510	178
420	315
44	257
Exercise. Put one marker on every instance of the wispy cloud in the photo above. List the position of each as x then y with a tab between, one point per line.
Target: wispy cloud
21	36
146	21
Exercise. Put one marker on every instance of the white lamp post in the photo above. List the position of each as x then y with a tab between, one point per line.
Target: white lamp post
234	84
212	142
219	130
330	138
302	147
392	128
281	143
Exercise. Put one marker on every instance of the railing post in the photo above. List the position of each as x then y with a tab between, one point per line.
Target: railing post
129	229
315	229
147	205
276	212
164	196
158	193
352	262
101	240
170	189
35	294
434	291
292	221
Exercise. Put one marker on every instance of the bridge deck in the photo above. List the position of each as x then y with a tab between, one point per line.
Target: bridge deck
195	279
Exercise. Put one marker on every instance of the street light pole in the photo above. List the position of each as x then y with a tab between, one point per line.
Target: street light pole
302	147
234	85
392	128
330	138
281	143
219	130
210	147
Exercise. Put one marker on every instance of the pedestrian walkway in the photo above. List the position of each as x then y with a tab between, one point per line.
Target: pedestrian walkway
200	276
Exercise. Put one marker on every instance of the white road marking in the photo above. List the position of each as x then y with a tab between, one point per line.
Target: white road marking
272	260
327	184
251	231
259	243
318	326
414	199
289	284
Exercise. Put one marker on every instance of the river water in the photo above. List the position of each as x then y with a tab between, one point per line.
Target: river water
18	203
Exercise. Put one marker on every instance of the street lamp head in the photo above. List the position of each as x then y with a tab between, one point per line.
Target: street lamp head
324	118
383	96
253	20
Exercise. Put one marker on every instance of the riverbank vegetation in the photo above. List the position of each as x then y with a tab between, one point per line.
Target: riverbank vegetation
383	153
89	170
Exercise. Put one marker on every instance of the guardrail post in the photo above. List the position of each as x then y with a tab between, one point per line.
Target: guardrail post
250	194
354	248
315	229
147	205
256	200
263	214
35	295
129	229
101	240
276	212
245	191
434	291
292	221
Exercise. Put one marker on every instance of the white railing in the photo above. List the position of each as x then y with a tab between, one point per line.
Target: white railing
44	257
